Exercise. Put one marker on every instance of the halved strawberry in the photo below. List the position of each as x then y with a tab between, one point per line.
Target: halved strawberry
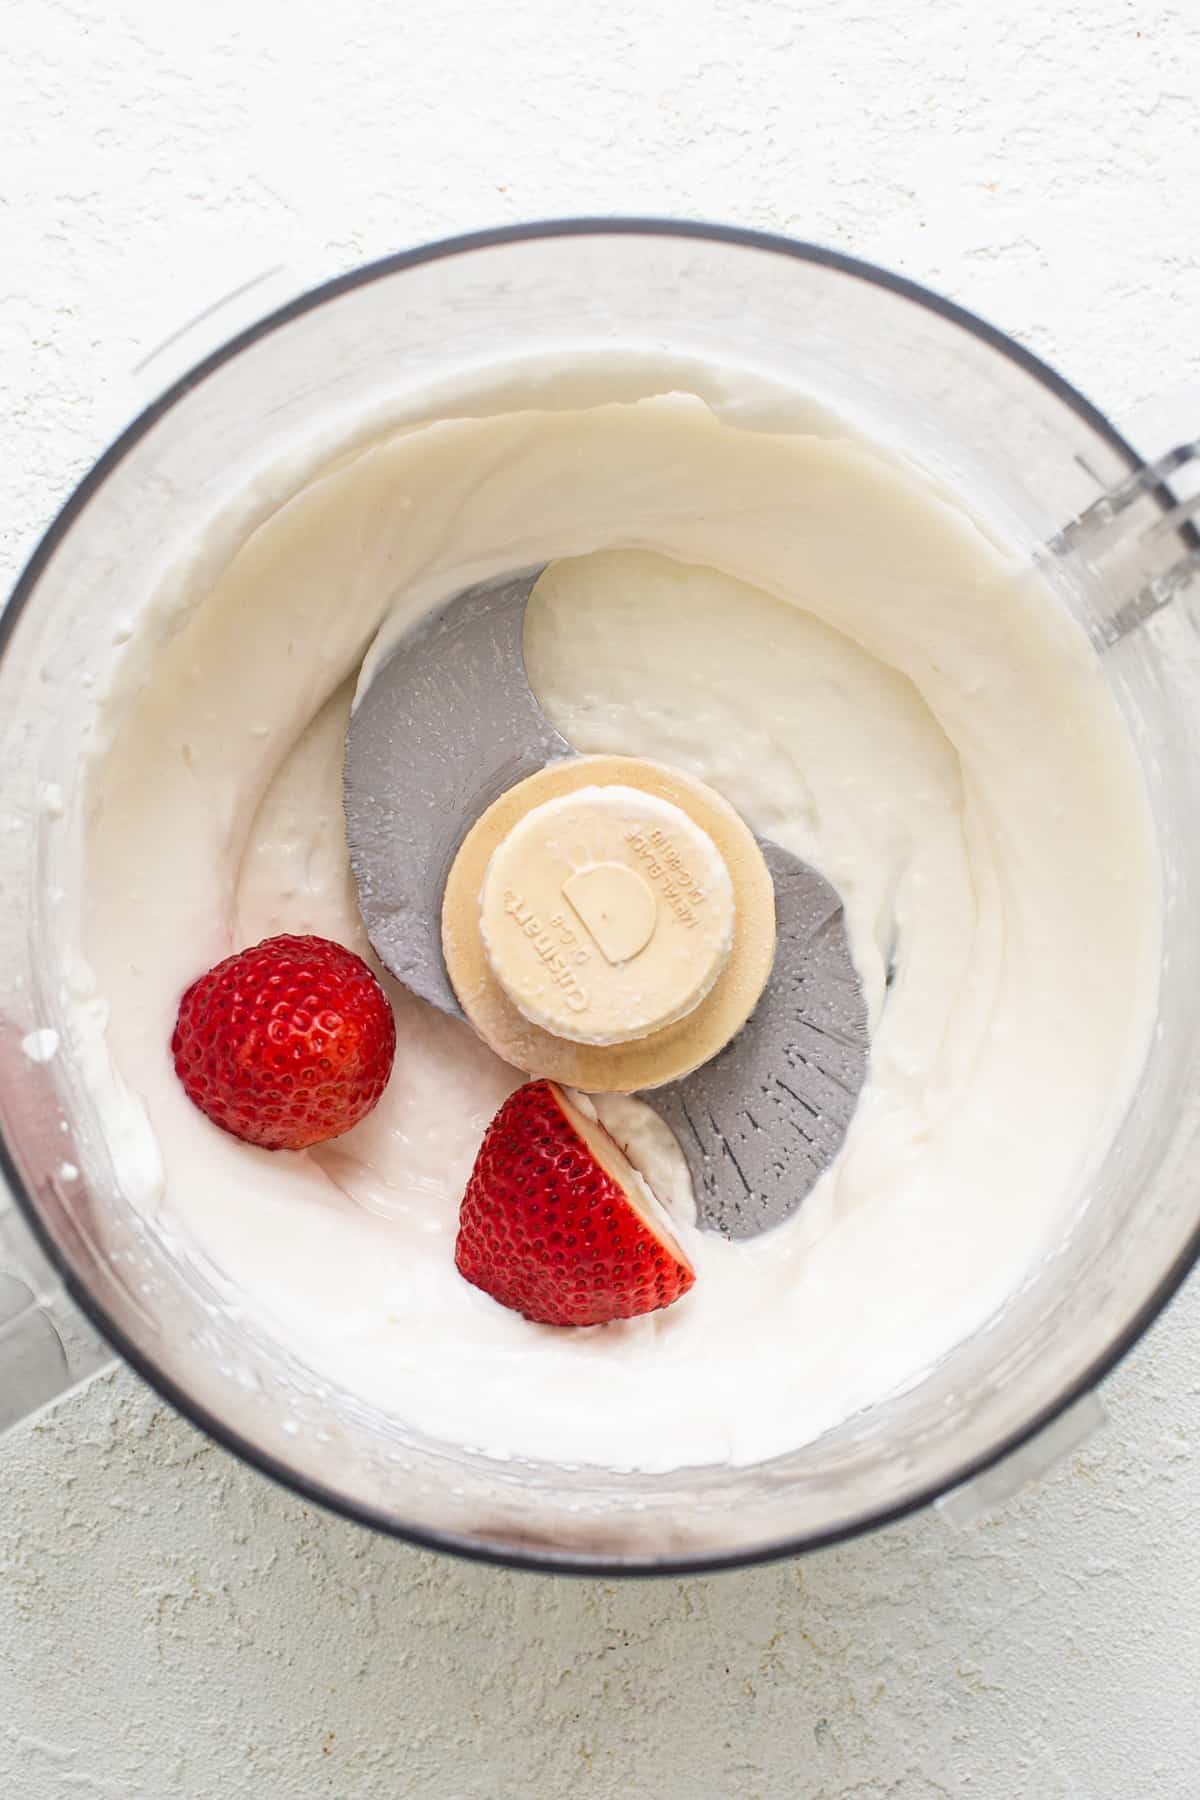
555	1222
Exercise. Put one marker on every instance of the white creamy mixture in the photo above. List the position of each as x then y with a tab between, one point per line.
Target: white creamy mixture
844	654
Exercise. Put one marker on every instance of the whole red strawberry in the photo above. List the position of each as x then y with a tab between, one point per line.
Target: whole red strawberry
285	1044
555	1223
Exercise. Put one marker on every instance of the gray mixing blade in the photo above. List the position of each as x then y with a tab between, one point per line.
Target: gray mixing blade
447	725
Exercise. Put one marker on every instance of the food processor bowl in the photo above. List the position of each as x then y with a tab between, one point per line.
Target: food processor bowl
85	1268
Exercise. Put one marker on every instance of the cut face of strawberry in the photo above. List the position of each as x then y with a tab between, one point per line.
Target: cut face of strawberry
556	1222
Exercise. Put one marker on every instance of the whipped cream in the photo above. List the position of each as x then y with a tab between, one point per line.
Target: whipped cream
839	648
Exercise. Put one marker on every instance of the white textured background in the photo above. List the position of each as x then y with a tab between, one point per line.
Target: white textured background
171	1628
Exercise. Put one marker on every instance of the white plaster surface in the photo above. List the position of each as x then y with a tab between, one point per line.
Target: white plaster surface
172	1627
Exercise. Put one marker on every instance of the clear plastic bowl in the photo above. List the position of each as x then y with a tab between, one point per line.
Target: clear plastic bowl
954	394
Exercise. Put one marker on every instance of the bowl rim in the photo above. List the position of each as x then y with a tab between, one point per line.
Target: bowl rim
375	1518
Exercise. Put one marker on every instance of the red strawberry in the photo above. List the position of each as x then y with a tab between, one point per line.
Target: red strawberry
286	1044
555	1224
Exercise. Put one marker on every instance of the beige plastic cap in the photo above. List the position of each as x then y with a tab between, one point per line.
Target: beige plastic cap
606	914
